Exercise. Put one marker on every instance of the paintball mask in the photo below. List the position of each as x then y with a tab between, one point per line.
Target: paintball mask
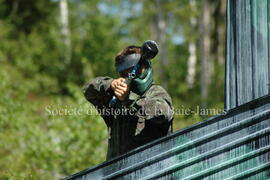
142	82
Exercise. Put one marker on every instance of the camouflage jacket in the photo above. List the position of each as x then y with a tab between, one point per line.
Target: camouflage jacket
139	119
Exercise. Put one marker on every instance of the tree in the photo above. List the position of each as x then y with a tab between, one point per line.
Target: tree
192	59
64	19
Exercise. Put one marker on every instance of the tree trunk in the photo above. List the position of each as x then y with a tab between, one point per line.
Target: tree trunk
221	32
206	60
158	28
192	59
65	29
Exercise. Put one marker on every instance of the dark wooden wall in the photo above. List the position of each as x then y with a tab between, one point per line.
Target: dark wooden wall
235	145
248	48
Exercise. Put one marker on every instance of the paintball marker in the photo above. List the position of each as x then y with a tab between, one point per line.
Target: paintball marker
149	51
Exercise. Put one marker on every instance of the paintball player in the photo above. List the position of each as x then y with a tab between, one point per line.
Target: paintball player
150	116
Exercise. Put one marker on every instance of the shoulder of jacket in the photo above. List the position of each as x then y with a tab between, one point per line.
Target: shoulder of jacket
157	90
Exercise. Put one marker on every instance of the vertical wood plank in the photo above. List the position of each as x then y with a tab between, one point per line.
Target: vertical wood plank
268	35
227	93
230	94
247	51
259	47
244	52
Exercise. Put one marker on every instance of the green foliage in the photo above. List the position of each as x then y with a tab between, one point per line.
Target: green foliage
36	141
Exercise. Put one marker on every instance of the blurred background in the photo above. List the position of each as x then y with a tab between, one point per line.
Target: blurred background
50	49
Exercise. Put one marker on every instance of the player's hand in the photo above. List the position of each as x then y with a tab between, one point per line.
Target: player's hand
120	88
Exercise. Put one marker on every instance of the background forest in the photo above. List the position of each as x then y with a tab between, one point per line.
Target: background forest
50	49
